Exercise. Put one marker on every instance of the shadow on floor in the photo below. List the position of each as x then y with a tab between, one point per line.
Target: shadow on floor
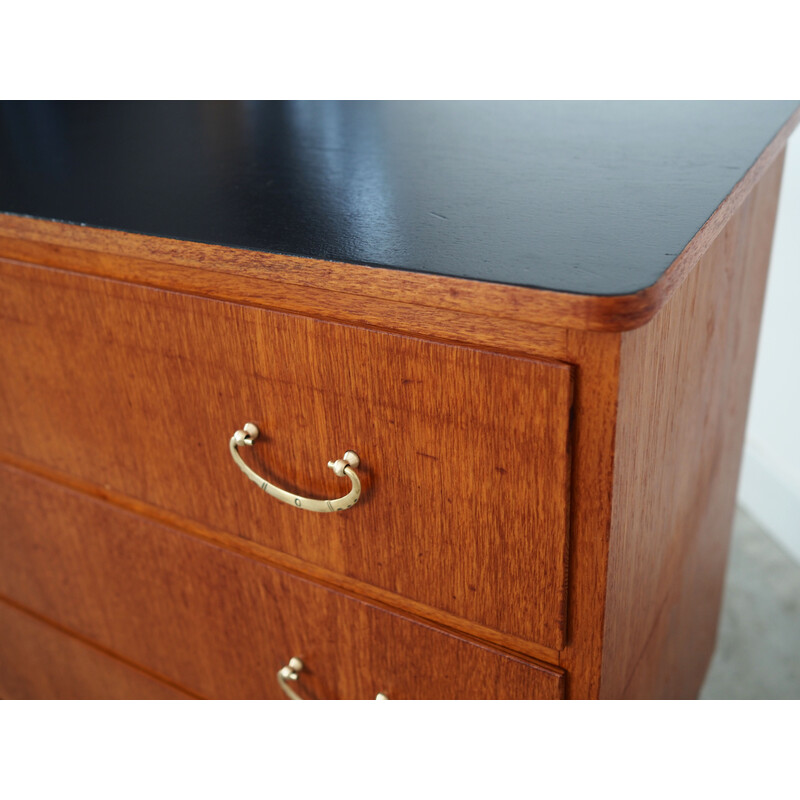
758	644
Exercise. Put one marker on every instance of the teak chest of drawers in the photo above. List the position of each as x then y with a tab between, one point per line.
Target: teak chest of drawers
536	331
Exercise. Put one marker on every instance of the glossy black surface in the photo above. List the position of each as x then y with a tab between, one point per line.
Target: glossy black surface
586	197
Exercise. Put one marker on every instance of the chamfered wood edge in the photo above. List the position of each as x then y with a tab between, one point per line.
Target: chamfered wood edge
595	395
338	283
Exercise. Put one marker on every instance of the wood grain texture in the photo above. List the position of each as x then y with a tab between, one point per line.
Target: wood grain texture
220	624
384	298
242	277
151	386
683	397
40	662
380	598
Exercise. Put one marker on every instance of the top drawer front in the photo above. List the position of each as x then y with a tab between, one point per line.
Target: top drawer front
464	453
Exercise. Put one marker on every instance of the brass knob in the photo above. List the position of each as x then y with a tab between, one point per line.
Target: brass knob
291	672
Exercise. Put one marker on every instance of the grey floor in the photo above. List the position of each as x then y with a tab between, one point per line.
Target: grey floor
758	644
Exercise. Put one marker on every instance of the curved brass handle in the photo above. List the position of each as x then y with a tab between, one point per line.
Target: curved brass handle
346	465
291	672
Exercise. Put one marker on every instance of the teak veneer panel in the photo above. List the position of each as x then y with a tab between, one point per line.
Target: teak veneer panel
40	662
220	624
465	453
379	597
684	387
407	306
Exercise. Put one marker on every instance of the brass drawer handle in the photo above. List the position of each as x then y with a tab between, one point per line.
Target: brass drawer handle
291	672
346	465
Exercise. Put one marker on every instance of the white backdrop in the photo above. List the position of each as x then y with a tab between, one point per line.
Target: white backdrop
769	487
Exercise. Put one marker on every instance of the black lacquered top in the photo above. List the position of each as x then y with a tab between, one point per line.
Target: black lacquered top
585	197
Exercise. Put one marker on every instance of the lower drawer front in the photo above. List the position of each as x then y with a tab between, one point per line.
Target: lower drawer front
222	625
39	662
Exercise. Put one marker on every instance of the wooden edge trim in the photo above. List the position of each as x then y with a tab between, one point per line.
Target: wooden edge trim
340	281
688	258
509	337
148	673
545	658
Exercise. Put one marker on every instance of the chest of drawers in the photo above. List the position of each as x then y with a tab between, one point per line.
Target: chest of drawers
548	412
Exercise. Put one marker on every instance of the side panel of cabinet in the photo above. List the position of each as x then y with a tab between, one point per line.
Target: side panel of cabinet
684	390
